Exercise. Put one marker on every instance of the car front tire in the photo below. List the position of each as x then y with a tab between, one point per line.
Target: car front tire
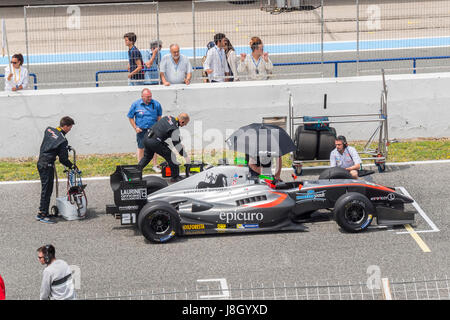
353	212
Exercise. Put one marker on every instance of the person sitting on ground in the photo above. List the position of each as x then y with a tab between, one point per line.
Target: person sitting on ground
346	157
256	65
16	77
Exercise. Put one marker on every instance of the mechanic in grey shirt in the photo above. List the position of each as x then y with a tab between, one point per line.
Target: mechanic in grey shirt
57	282
345	157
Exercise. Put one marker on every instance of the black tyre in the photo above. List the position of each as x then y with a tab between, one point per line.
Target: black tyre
335	173
326	144
353	212
158	221
155	183
54	211
306	144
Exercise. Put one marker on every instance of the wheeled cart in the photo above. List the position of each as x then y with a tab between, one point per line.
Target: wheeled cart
378	154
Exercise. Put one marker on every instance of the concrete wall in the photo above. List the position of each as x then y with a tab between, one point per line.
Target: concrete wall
418	106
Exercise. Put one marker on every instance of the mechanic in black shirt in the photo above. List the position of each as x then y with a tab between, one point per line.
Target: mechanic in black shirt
53	145
166	127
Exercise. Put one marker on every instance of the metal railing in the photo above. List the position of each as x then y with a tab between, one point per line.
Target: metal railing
31	75
286	64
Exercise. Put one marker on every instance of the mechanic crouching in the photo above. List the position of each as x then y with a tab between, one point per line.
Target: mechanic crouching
345	157
53	145
167	127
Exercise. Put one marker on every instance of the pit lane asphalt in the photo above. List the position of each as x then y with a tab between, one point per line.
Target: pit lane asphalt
114	258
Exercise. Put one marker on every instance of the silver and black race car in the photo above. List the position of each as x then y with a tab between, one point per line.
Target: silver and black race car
226	199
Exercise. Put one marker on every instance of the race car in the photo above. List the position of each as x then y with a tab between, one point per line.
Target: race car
226	199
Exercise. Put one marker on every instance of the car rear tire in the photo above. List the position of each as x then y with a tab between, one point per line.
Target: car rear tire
335	173
158	221
353	212
154	184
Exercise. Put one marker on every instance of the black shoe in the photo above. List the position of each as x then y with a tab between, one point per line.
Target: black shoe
176	179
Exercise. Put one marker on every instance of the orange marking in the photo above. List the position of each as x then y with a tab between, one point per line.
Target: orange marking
274	203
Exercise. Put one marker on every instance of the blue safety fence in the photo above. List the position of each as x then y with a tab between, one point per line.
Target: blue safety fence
31	75
119	71
335	62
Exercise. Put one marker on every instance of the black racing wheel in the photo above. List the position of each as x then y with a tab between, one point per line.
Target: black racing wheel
353	212
158	221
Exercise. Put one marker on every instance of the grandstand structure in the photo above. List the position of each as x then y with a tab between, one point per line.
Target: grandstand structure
81	44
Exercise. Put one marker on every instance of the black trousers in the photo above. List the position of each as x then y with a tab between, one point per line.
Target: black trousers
152	146
46	174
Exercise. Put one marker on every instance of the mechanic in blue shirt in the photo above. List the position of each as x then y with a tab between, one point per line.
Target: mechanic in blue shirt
151	59
143	114
346	157
135	64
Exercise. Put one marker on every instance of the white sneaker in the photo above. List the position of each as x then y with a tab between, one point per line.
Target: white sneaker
156	169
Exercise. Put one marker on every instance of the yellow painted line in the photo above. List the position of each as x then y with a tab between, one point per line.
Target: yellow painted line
418	239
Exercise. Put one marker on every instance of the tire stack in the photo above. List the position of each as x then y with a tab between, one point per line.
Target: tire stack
314	142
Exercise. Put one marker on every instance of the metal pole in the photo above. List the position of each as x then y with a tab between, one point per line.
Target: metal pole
26	37
322	35
193	35
357	37
157	36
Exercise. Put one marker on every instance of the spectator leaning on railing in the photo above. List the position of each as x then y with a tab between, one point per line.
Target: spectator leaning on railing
152	59
16	78
256	65
175	67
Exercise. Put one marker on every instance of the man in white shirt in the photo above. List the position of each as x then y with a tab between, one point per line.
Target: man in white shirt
57	282
346	157
175	67
216	65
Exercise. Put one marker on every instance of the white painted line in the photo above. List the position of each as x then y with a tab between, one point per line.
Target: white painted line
434	228
223	285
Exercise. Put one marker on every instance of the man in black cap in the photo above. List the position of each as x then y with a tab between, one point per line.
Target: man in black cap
53	145
167	127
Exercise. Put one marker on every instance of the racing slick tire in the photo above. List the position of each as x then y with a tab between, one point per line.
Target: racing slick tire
326	143
306	144
335	173
158	221
155	183
353	212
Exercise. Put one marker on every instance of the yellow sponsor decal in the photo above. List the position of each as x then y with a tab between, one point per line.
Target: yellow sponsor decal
194	227
221	226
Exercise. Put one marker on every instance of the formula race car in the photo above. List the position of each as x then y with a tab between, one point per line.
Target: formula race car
227	199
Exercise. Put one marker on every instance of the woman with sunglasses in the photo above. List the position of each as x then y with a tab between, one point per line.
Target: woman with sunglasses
256	65
17	76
